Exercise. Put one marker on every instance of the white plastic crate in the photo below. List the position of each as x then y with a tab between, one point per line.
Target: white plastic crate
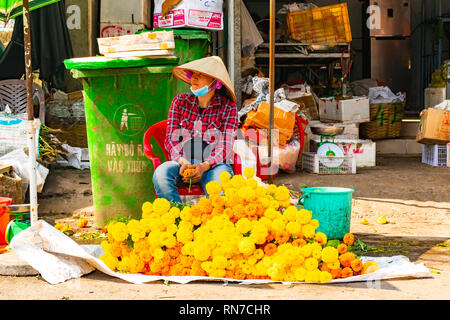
435	154
311	162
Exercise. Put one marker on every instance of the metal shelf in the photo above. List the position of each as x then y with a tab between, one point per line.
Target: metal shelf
304	50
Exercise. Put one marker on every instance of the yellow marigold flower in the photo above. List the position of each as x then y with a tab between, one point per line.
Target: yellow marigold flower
304	216
330	255
294	228
161	205
238	181
243	225
231	264
207	266
306	250
276	273
188	248
258	254
219	262
158	254
225	176
110	261
118	231
186	214
147	208
282	193
312	276
290	213
213	188
196	220
314	223
300	274
249	172
175	212
271	189
311	264
308	231
278	225
334	265
325	276
172	229
246	246
321	238
202	252
317	253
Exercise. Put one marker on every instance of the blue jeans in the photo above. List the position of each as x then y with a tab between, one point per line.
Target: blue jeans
167	176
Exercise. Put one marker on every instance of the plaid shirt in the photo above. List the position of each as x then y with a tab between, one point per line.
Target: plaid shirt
216	125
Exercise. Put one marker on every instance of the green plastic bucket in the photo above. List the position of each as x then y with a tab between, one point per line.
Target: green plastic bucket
121	104
14	228
332	207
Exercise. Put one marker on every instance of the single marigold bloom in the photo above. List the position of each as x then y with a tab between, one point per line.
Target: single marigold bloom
369	267
282	237
342	248
348	239
336	273
271	235
346	272
239	274
188	172
357	265
324	267
299	242
270	249
346	259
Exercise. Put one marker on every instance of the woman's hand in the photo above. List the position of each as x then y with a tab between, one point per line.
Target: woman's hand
199	170
184	164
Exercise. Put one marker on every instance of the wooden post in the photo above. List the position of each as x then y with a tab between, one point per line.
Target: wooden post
271	85
30	110
28	64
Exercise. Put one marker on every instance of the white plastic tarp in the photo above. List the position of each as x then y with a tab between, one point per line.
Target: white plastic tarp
58	258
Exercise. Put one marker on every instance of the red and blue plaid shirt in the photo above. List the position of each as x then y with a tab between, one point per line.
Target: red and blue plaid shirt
216	125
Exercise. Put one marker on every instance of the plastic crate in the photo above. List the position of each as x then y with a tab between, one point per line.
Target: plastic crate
311	162
435	154
329	24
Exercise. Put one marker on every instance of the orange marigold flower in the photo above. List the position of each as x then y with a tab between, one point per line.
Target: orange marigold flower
324	267
335	273
282	237
349	238
239	274
271	235
342	248
346	259
270	249
347	272
357	265
299	242
165	270
370	267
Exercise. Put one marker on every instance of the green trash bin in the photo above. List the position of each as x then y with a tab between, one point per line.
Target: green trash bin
121	104
190	44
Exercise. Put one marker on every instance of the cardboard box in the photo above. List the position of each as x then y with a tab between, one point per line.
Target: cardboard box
434	126
158	40
114	29
190	13
350	110
134	11
307	105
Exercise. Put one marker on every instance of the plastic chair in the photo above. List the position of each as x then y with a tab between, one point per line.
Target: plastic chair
14	94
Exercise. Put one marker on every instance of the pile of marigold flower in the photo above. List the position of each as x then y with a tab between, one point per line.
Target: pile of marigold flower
242	231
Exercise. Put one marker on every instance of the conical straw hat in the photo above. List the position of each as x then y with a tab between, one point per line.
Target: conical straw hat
211	66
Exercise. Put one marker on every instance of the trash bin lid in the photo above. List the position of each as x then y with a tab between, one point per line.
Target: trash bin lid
101	62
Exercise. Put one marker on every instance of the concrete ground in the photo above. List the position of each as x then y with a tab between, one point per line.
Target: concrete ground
414	197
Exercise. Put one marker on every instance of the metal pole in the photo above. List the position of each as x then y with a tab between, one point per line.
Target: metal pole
30	110
271	84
